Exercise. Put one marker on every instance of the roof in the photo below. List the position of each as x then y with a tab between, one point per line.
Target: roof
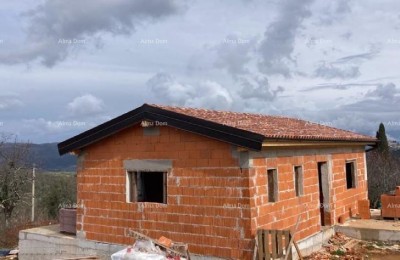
241	129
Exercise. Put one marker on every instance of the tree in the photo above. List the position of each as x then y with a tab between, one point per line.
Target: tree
56	190
383	175
383	146
14	175
383	169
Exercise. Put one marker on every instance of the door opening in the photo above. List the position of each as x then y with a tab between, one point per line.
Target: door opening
323	185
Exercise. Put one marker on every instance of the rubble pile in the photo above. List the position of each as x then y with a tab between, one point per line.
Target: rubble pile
338	247
342	247
146	248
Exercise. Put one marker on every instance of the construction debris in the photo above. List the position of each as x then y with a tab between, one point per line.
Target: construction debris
342	247
146	248
8	254
165	241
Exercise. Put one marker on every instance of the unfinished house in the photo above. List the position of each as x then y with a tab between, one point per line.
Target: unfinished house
212	178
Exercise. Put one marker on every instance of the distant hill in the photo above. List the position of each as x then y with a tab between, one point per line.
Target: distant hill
47	158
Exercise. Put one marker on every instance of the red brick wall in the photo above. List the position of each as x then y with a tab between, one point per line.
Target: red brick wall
209	195
206	193
283	213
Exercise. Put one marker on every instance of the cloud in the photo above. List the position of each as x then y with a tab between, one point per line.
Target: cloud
208	94
336	86
382	101
85	105
347	67
9	101
58	26
358	57
330	71
279	39
384	91
164	85
234	53
259	88
41	130
334	11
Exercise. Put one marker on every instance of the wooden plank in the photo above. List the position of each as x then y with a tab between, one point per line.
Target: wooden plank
266	245
260	244
274	244
297	249
256	247
289	249
287	242
279	244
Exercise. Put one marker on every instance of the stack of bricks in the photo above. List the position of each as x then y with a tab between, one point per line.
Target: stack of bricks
363	209
391	204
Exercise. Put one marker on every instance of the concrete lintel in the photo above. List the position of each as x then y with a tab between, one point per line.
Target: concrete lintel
148	165
272	152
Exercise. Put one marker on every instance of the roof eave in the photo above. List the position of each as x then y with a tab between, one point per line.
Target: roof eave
195	125
276	142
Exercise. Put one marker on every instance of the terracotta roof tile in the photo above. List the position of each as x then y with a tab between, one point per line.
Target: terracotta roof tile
272	126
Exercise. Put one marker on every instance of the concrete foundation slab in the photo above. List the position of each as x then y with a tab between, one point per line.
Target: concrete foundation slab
371	229
45	243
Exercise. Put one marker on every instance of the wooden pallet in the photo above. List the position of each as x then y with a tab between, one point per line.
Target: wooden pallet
272	244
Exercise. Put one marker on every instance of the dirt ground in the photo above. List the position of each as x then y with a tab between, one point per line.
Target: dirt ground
342	247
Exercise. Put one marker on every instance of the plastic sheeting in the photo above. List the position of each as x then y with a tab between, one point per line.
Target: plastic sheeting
142	250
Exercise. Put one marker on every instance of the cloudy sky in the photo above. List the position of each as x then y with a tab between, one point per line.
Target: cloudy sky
66	66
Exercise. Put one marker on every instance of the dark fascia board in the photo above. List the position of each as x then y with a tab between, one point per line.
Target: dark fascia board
195	125
321	140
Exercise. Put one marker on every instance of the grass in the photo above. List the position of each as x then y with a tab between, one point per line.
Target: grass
338	252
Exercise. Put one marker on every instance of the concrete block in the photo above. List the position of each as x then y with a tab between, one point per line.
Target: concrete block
148	165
